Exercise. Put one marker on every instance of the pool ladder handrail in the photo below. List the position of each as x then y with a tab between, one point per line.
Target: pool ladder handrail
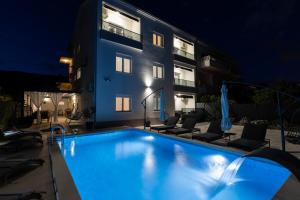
63	131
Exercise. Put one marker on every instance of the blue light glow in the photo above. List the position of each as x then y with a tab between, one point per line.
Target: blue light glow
133	164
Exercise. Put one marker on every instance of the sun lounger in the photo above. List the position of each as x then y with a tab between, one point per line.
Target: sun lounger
33	195
214	132
20	143
253	137
19	134
13	168
170	123
187	127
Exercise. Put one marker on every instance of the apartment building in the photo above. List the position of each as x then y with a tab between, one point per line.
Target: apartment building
122	54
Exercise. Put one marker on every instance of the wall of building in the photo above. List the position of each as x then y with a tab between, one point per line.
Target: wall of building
101	83
85	50
140	82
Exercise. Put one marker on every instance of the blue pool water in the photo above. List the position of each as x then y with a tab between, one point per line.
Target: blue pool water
136	165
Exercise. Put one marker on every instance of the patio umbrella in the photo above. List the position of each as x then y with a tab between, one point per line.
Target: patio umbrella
162	106
225	123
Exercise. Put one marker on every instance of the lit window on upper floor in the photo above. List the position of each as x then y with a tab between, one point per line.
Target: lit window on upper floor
157	39
158	71
121	23
183	47
123	63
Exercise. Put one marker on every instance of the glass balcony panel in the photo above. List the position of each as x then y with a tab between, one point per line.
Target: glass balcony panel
183	53
183	82
120	31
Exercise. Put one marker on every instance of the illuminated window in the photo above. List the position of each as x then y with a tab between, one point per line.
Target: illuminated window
158	39
156	103
126	104
158	71
123	104
127	65
121	23
183	47
123	64
119	65
119	104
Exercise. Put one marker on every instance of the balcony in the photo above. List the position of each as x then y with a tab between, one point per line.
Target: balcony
183	53
213	63
120	31
184	102
183	82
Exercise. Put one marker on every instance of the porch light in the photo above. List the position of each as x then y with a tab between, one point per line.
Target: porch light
47	98
148	81
66	60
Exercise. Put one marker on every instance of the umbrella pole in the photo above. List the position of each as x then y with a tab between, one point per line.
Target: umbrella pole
280	121
145	111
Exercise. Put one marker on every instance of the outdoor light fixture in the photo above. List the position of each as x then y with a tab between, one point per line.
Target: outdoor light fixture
47	98
148	82
66	60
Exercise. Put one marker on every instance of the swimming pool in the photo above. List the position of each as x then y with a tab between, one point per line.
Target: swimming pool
133	164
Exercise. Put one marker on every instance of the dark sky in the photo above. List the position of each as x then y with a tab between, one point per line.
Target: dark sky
35	33
262	35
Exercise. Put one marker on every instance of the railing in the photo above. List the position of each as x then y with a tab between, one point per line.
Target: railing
52	128
144	103
120	31
183	82
183	53
209	61
186	110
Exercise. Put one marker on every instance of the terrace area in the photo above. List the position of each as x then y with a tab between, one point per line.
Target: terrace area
41	178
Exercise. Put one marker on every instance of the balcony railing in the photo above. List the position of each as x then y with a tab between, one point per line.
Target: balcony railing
185	110
120	31
183	82
208	61
183	53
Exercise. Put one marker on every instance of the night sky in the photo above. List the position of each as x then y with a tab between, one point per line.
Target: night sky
262	35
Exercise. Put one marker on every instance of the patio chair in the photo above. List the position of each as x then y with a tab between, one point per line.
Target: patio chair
73	117
253	137
33	195
187	127
12	168
169	124
214	132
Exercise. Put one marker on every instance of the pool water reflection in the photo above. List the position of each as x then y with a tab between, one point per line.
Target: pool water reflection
133	164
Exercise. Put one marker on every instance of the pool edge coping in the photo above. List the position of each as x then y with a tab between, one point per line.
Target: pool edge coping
63	180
